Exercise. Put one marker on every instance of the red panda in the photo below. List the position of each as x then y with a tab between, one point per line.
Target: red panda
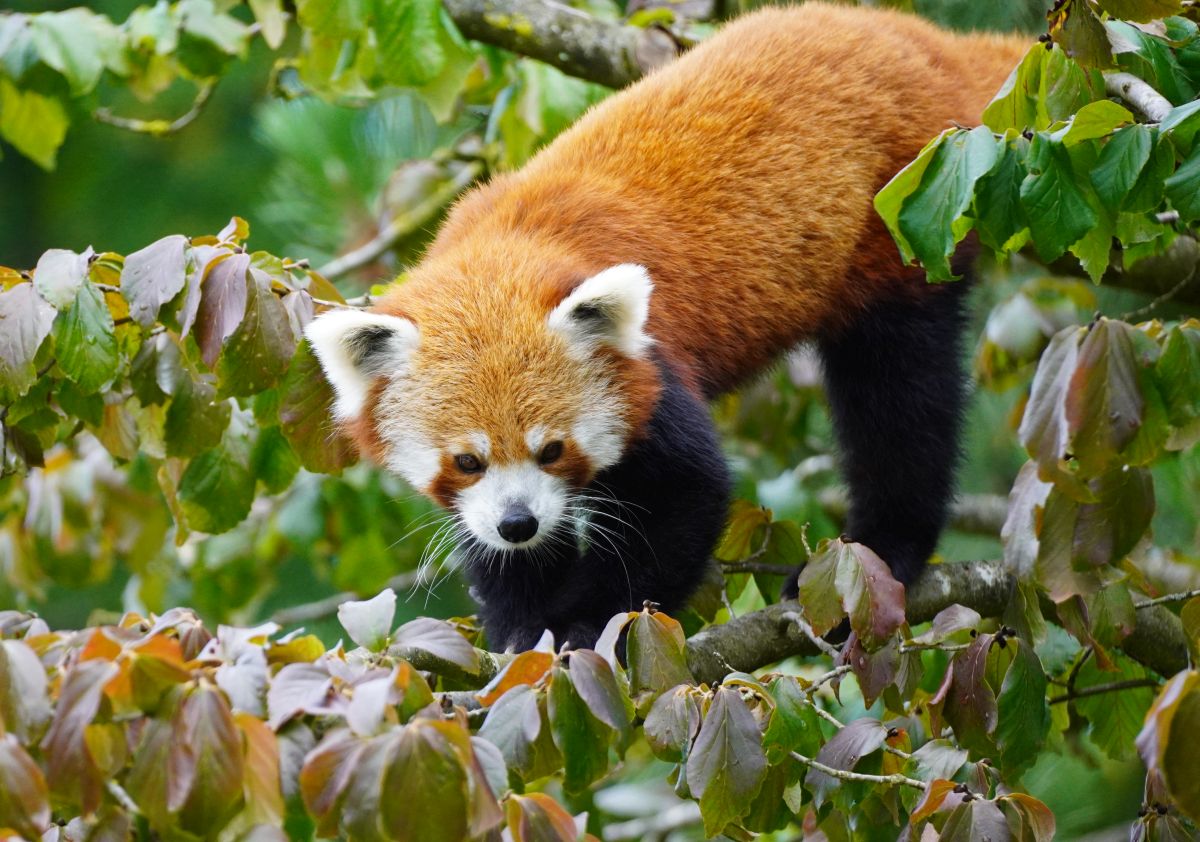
543	373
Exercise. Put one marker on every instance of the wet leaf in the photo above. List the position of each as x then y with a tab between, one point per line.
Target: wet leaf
25	320
257	353
672	724
153	276
84	340
222	303
862	584
59	275
657	659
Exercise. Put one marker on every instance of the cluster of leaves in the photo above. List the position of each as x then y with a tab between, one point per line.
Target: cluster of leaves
53	64
1057	165
245	734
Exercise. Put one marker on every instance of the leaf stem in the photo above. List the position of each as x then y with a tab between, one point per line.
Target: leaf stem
1171	597
1099	689
159	128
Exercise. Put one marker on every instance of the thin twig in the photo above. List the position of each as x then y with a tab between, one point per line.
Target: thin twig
1104	688
1158	302
841	774
403	224
159	128
321	608
757	567
1171	597
807	630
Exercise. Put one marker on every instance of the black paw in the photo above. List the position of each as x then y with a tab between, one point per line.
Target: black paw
791	588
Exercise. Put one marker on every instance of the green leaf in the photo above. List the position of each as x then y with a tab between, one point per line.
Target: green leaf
153	276
25	321
596	684
930	217
24	703
1015	104
426	787
85	342
1082	36
891	198
848	578
273	462
258	351
1183	188
1182	122
657	660
34	123
1096	120
1121	162
1023	715
726	766
272	21
999	216
407	40
1148	191
74	42
195	418
1059	213
59	274
672	724
1178	374
580	736
332	18
304	415
1141	11
519	726
794	725
1116	718
975	821
217	488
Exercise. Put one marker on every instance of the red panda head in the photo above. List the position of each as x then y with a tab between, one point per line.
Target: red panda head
499	400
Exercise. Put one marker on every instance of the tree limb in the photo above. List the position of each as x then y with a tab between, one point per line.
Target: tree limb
578	44
1137	93
763	637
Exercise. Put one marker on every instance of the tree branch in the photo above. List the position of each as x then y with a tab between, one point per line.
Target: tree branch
1137	93
159	128
578	44
977	514
842	774
1174	273
763	637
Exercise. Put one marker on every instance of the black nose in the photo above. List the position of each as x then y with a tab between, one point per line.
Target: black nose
518	524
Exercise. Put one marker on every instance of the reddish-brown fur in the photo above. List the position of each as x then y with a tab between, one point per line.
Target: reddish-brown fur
741	176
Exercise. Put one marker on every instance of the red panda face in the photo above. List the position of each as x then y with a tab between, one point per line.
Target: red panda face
498	407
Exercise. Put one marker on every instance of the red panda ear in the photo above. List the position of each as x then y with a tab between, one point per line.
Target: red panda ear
611	308
354	347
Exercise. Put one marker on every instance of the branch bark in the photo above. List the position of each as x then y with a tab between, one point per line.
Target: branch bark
763	637
578	44
1137	93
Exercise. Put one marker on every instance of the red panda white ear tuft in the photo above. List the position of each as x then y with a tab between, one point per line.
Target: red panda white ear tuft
354	347
611	308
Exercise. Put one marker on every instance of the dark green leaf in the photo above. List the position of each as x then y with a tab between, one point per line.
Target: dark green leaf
1183	188
891	198
1121	162
581	737
596	684
998	213
273	462
931	217
425	794
407	40
673	722
304	415
1142	11
195	418
1023	715
85	341
1116	717
975	821
656	657
794	725
1058	212
217	488
726	766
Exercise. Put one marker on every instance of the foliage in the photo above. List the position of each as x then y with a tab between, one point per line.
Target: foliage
164	428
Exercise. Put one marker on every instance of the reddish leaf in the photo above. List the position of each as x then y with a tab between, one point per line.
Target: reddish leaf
931	801
73	773
305	416
264	797
325	776
222	303
527	668
848	746
673	722
1029	819
24	797
537	817
849	578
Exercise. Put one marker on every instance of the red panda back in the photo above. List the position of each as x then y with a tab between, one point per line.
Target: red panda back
741	176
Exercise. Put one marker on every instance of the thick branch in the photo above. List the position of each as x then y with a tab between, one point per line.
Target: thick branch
576	43
1137	93
977	514
763	637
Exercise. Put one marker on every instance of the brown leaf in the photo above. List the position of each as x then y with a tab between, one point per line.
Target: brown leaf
537	817
73	774
24	797
529	667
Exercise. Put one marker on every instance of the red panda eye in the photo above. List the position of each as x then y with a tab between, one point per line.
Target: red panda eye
468	464
550	453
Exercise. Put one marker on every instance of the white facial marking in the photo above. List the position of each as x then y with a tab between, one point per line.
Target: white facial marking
600	430
413	457
610	307
535	438
338	339
481	443
483	504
